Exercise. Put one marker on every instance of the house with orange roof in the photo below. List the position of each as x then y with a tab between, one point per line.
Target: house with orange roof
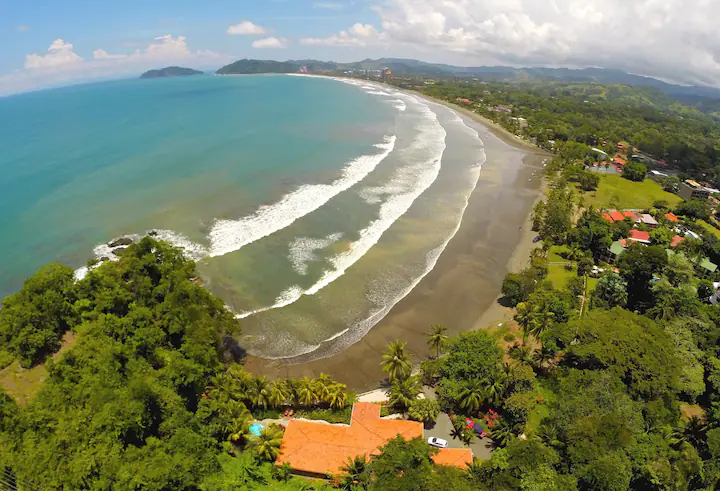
671	216
319	449
676	241
617	216
641	236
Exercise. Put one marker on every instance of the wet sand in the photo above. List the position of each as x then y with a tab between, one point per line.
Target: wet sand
462	290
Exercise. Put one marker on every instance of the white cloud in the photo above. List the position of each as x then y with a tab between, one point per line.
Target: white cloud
328	5
271	42
670	39
357	35
22	28
61	65
59	53
247	28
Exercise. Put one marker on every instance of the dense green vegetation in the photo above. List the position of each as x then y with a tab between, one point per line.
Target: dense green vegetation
578	116
171	71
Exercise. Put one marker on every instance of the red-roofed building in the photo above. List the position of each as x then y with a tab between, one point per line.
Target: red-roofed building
315	449
617	216
639	236
608	218
623	242
629	214
672	217
462	99
676	241
619	161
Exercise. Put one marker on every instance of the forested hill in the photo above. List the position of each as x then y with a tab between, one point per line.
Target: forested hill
416	68
171	71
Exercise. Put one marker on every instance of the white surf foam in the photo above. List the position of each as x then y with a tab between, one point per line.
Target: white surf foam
408	183
302	250
230	235
357	331
399	104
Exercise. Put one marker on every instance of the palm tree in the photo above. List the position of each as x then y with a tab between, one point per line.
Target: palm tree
520	353
403	391
542	356
472	396
277	393
543	319
258	392
238	429
695	432
267	445
550	436
525	317
502	433
395	360
437	339
323	384
354	472
306	391
337	397
494	389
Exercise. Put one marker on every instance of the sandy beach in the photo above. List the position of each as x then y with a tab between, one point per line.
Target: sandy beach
461	292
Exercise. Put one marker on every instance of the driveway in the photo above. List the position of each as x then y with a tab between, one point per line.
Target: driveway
481	448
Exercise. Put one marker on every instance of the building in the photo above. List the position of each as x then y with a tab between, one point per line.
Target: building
705	267
676	241
693	190
319	449
656	175
648	220
614	252
462	99
671	216
386	74
639	236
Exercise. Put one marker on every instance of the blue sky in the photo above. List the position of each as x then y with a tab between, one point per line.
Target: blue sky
49	43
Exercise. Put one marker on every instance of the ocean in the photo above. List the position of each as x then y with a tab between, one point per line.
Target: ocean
310	205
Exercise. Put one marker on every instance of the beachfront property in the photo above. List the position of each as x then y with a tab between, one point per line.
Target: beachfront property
691	189
318	449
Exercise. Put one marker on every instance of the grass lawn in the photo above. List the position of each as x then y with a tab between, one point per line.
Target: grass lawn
709	228
559	276
541	410
616	192
554	254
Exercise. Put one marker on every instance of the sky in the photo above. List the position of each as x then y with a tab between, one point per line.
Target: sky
46	43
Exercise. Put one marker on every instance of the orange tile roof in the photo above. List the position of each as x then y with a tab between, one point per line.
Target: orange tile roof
639	235
672	217
629	214
619	161
617	216
676	241
321	448
607	217
458	457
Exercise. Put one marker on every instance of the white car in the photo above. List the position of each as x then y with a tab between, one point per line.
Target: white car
437	442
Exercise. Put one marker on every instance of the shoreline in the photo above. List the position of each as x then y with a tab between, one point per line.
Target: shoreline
462	290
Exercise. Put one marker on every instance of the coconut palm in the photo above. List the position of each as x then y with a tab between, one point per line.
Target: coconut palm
520	353
306	391
403	391
437	338
240	380
267	445
396	360
323	387
544	318
542	356
494	389
337	396
502	433
472	396
354	473
238	430
277	393
525	317
258	392
550	436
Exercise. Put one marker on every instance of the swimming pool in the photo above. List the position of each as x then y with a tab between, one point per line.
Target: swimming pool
256	429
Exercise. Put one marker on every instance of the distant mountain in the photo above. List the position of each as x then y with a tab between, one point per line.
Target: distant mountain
171	71
404	67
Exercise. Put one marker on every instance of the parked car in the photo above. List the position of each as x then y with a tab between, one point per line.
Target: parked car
437	442
537	239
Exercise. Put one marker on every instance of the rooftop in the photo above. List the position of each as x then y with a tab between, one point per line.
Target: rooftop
672	217
639	235
676	241
320	448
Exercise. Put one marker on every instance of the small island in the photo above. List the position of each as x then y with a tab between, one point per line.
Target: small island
171	71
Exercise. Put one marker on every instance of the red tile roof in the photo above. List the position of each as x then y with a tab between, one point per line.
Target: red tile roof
617	216
607	217
629	214
623	242
320	448
461	99
639	235
672	217
619	161
676	241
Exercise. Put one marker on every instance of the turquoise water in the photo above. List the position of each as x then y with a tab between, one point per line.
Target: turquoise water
311	206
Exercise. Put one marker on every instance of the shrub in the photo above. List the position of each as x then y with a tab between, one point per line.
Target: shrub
424	410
